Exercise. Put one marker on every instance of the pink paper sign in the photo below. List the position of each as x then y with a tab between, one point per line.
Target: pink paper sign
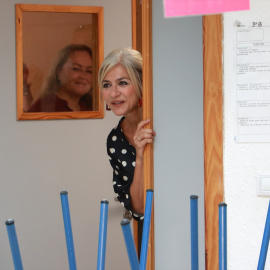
176	8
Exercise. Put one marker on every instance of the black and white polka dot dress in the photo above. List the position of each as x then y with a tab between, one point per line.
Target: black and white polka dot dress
122	157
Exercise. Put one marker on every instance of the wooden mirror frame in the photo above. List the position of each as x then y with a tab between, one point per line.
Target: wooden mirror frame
98	54
213	123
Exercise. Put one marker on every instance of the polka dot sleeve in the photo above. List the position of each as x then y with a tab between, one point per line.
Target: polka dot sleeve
122	157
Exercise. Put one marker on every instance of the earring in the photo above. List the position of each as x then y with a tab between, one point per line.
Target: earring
108	108
140	102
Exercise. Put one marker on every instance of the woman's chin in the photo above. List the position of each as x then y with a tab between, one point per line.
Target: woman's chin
81	91
118	112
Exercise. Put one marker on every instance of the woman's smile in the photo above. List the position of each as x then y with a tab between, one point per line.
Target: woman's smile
117	103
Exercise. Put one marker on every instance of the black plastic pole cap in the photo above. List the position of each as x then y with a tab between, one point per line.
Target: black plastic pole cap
104	201
125	222
9	222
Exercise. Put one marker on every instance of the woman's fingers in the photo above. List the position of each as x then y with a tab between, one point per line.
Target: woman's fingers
144	133
143	123
142	137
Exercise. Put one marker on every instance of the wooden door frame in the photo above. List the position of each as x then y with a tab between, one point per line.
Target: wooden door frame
213	133
213	122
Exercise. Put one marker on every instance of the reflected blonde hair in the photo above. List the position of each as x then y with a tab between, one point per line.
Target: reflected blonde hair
131	60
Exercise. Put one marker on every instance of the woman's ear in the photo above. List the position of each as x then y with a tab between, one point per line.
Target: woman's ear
140	102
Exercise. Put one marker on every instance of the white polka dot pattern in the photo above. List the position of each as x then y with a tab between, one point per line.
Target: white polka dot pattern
122	156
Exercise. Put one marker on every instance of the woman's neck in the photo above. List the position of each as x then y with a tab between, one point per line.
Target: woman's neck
131	121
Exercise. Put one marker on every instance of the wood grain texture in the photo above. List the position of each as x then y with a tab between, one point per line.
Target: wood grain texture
148	164
137	25
58	8
20	8
19	59
134	23
136	45
59	115
213	134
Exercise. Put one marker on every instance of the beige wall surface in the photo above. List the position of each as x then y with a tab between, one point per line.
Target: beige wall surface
41	158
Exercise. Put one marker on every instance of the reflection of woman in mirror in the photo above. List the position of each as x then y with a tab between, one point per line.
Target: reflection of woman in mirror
120	81
69	84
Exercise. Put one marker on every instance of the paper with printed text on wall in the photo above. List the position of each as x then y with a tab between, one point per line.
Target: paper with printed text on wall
252	49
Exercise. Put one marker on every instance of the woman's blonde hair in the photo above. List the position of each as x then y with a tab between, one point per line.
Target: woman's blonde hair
131	60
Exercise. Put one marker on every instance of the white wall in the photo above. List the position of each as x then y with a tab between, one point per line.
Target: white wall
178	149
242	161
38	159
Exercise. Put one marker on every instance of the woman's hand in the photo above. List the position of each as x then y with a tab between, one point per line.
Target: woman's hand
142	137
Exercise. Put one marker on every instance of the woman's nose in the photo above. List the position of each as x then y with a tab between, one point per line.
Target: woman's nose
84	74
114	91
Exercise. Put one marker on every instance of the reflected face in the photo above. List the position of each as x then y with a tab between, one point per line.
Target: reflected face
119	93
76	74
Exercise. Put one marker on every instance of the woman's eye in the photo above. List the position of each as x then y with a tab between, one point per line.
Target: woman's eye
123	83
89	71
75	69
106	85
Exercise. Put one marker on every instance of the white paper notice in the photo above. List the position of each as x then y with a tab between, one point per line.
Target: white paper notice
253	82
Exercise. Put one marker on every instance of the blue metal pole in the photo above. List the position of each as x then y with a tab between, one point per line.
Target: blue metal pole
103	220
131	250
222	236
146	228
68	230
14	246
194	232
265	242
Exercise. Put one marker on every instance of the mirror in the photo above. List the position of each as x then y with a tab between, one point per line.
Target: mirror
42	92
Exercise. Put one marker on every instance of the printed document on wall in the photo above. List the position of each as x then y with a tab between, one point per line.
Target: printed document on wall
253	81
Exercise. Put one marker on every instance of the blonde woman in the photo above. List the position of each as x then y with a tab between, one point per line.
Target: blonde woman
120	81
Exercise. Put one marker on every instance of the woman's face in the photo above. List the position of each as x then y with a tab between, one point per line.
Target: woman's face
76	74
119	93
